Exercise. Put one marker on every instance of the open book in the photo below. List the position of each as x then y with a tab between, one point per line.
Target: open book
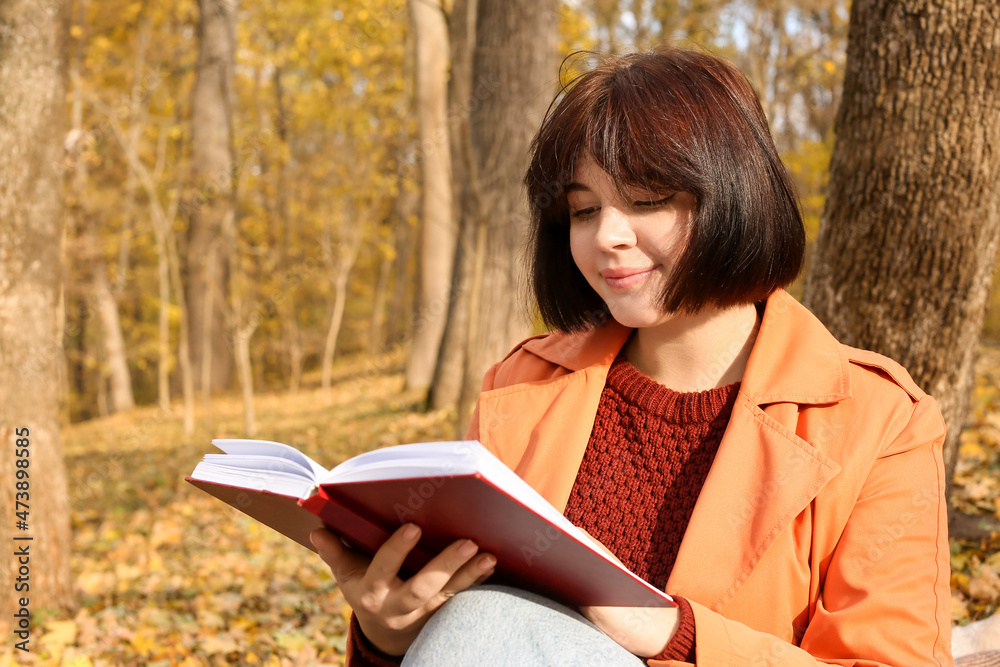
452	490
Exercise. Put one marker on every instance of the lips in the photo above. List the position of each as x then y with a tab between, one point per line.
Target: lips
621	278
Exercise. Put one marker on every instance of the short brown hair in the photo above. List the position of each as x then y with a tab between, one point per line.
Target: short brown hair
667	120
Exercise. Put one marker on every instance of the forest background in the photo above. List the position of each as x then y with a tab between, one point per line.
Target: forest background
250	206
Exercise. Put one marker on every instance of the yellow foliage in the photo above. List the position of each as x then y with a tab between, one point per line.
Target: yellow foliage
144	642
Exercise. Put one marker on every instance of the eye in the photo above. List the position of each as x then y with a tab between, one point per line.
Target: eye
584	213
652	203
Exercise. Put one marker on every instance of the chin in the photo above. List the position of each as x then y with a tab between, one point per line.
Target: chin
639	320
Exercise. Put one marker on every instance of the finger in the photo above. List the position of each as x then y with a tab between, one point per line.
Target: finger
476	571
345	564
432	579
389	558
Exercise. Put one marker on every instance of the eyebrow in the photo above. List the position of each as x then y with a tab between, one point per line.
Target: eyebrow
577	187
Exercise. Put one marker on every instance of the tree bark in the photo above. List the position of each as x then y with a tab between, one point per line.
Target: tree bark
449	372
437	243
514	71
212	167
33	38
908	239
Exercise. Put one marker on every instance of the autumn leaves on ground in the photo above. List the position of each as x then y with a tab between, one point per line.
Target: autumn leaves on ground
167	575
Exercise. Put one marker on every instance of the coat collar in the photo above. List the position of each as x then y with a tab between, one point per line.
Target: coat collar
794	360
765	474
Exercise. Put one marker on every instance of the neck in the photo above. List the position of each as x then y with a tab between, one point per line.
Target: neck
696	352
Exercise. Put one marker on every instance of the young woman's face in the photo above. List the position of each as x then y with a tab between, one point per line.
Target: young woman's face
625	248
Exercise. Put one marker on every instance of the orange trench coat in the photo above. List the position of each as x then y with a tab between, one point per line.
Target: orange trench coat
820	536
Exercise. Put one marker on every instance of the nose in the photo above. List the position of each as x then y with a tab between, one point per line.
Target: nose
614	230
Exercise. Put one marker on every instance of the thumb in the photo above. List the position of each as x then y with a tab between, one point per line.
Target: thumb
344	563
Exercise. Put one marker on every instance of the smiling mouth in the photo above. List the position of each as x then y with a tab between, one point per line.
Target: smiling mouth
624	278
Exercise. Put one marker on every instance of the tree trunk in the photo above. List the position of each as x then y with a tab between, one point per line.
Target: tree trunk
163	348
106	305
244	371
114	343
908	238
396	329
168	259
437	244
243	321
137	115
280	213
376	324
514	70
450	370
346	261
33	39
212	167
163	287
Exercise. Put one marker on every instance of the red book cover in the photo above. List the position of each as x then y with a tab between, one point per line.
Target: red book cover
531	552
536	548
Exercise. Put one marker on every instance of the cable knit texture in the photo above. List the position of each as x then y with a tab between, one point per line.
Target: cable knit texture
645	464
648	456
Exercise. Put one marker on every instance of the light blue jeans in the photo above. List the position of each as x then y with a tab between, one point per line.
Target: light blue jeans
507	627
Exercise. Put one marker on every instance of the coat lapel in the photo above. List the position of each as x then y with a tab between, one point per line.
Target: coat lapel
764	474
762	478
542	430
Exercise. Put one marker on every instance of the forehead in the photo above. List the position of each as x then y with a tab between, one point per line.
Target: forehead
586	174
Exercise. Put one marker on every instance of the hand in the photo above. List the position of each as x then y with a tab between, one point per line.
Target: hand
390	611
643	631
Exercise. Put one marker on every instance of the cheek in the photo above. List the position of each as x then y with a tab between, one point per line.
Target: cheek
577	248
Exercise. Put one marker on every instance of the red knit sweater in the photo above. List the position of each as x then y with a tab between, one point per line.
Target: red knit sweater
645	464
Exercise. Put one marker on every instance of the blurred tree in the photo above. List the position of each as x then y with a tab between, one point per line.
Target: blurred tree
33	54
909	236
514	66
438	232
449	371
90	237
468	90
211	198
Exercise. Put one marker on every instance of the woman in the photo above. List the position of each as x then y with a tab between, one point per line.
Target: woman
687	412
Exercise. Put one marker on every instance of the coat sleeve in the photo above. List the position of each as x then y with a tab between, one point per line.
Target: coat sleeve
886	596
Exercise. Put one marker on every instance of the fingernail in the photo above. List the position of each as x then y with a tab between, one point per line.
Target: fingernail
411	532
486	562
468	548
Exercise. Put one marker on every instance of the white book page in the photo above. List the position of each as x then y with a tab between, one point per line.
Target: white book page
238	447
261	464
283	483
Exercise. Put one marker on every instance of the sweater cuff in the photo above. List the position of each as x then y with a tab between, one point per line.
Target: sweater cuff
682	645
362	653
